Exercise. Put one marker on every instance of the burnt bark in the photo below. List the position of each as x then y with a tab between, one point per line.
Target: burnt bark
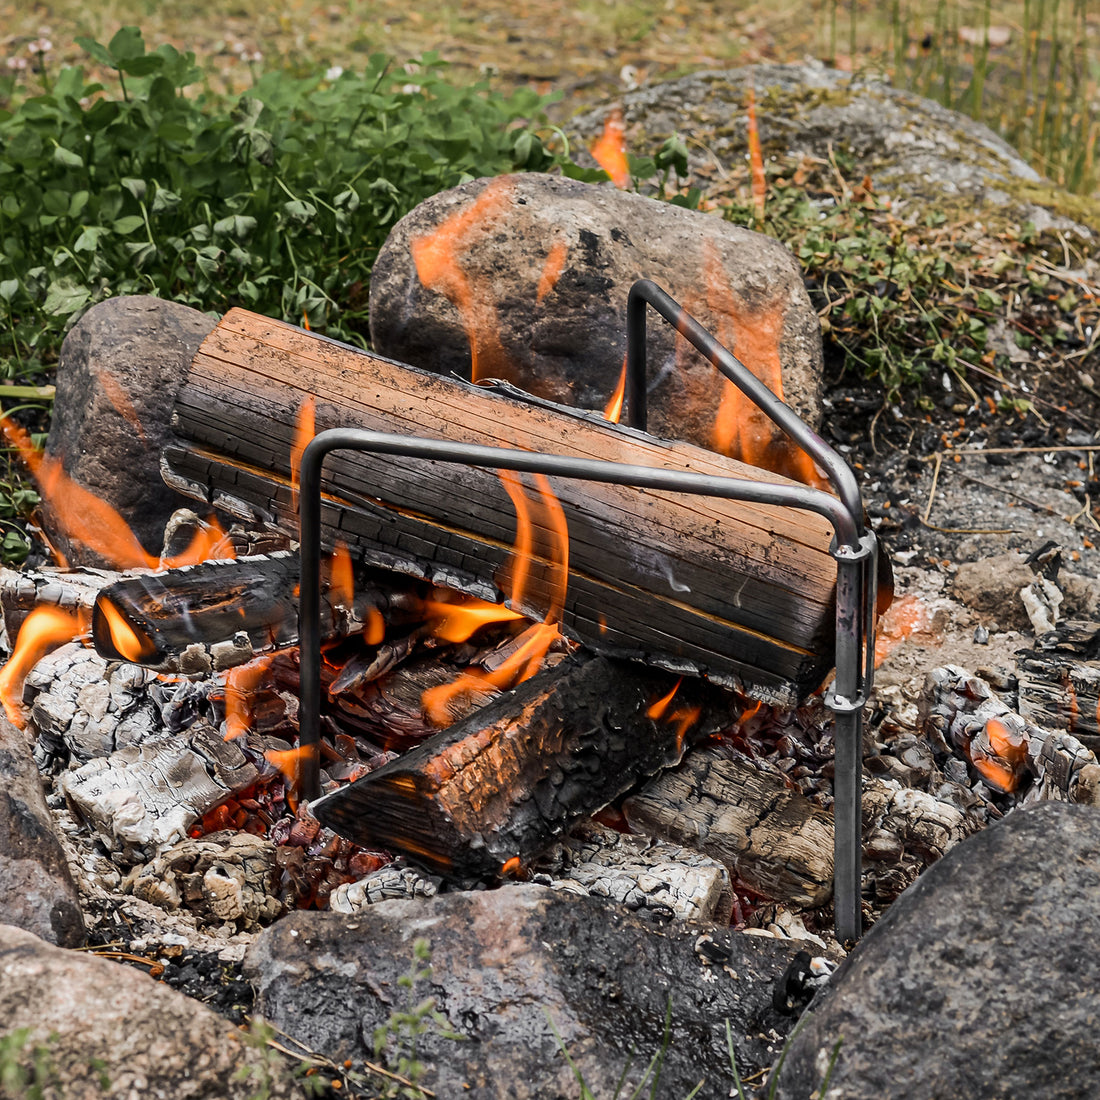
506	781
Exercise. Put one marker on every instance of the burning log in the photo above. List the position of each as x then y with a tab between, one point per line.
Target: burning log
743	813
219	614
143	797
500	785
741	592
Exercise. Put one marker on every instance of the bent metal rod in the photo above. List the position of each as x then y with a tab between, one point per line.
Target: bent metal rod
854	549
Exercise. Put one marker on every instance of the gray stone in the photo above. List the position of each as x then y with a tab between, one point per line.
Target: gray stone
508	962
120	370
565	340
37	891
916	152
982	980
991	589
105	1030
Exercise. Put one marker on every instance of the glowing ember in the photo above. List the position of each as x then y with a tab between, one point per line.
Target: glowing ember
609	150
435	255
44	629
999	754
552	269
613	410
512	868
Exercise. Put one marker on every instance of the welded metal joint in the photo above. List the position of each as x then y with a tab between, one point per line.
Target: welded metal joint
854	550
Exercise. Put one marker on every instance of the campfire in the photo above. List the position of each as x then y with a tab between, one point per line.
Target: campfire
481	665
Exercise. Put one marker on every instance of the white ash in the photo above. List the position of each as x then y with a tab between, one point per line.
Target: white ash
395	880
226	879
84	707
639	873
144	797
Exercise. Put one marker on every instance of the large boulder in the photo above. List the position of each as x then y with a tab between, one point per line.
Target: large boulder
82	1027
529	276
120	369
37	892
510	966
927	158
982	980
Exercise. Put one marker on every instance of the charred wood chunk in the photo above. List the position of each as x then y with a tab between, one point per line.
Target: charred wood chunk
21	591
1059	682
639	873
225	878
1011	755
218	614
506	781
144	797
743	813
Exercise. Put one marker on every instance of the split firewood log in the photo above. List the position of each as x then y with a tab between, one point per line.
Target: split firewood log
1058	682
502	784
742	592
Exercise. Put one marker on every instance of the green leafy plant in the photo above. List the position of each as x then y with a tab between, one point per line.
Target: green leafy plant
278	201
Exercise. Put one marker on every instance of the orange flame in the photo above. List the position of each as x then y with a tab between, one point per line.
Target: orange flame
43	630
609	150
341	577
906	617
240	683
756	160
520	665
289	764
305	429
512	868
119	399
375	630
93	522
613	410
438	269
1001	765
456	622
658	709
552	269
684	719
125	639
754	333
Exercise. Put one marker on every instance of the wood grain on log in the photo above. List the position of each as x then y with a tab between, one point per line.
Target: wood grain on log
508	780
1059	682
734	590
744	814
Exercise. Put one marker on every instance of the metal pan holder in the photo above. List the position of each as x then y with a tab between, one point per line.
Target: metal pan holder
854	549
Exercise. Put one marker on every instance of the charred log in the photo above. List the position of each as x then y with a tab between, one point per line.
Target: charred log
741	592
223	613
745	814
1059	682
505	782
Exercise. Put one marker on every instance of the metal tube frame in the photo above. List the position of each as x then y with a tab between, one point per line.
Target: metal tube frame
854	550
